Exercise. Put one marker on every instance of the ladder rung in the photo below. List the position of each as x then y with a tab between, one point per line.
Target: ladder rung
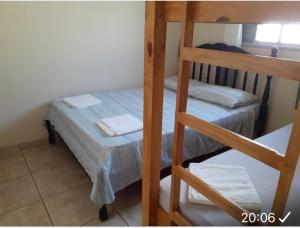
228	205
253	63
250	147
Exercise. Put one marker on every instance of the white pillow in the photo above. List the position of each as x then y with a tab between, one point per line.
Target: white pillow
222	95
171	83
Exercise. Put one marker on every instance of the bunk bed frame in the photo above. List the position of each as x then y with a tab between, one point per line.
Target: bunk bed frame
188	13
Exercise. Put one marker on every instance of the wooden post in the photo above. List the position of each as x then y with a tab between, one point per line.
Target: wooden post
286	176
181	102
154	64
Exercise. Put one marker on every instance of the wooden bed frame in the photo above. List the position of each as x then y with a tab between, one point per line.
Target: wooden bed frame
157	16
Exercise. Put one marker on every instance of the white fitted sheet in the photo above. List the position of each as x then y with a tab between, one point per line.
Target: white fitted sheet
263	177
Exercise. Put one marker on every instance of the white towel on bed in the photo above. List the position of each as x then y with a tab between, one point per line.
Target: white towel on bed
120	125
232	182
81	101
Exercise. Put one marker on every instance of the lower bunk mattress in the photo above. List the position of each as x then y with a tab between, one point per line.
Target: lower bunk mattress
262	176
115	162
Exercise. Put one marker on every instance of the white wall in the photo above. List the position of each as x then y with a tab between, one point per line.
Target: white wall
233	34
53	49
208	33
203	33
172	48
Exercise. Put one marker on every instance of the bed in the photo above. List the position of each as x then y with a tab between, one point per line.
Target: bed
115	162
258	172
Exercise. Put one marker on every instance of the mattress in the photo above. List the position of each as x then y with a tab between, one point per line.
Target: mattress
115	162
263	177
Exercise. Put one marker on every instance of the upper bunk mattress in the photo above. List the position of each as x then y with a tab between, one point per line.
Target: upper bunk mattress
262	176
115	162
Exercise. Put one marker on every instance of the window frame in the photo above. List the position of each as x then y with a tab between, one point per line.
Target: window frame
263	44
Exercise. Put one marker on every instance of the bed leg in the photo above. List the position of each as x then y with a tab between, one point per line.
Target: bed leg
103	214
51	137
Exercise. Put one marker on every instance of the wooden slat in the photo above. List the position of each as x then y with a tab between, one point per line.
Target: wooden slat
218	76
225	77
236	12
179	219
250	147
286	175
154	59
194	71
245	80
235	78
200	72
181	103
214	196
255	84
208	73
264	65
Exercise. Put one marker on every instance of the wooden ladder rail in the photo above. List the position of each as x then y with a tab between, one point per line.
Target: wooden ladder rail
186	40
290	164
154	55
285	164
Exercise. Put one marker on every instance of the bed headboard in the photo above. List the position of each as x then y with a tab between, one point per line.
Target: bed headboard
219	80
230	77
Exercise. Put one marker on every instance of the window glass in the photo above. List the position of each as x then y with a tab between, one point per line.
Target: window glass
268	33
290	34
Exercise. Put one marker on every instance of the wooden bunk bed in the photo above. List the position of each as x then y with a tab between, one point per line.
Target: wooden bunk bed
157	16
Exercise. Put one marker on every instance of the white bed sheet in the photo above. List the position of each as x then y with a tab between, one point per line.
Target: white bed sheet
263	177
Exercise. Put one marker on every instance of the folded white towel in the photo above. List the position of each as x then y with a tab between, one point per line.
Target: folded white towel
119	125
81	101
232	182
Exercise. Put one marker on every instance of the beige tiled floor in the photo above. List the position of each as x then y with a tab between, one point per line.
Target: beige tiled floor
42	184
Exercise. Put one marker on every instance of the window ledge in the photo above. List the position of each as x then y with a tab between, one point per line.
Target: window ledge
270	45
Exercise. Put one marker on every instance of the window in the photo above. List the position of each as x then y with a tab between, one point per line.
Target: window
278	33
268	33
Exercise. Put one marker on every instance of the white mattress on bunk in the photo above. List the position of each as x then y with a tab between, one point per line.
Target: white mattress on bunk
263	177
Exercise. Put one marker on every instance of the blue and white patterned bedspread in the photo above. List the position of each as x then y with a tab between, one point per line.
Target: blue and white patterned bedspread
115	162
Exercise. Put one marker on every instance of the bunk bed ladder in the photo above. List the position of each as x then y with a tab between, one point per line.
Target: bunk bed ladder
285	164
181	103
178	172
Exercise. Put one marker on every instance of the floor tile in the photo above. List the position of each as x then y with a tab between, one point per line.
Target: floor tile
114	220
132	213
73	208
13	167
58	179
17	192
9	152
36	143
51	146
30	215
39	159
